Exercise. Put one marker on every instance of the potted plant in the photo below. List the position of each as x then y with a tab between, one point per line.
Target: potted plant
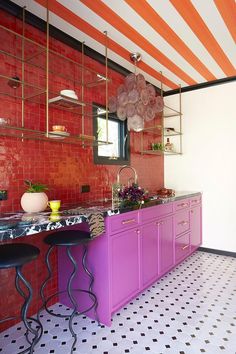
34	199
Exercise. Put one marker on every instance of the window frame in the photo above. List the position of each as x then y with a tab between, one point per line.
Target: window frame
123	131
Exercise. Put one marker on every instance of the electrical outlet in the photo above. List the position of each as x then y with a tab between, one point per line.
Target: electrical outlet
85	188
3	194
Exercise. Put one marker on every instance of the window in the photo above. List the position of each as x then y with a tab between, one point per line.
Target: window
118	152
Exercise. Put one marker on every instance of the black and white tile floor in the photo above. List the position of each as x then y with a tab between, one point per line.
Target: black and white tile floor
190	310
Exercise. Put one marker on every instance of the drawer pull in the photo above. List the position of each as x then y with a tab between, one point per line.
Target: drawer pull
182	205
183	248
128	221
195	200
183	223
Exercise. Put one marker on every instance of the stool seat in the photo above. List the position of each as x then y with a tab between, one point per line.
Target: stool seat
68	238
17	254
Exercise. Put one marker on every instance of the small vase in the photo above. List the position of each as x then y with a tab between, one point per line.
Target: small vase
34	202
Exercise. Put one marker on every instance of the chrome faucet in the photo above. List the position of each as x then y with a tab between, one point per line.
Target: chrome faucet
129	167
117	186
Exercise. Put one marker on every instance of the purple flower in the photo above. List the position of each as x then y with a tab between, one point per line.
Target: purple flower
133	193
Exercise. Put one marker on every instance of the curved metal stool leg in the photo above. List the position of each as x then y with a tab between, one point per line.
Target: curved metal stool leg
71	297
21	292
47	279
25	307
93	297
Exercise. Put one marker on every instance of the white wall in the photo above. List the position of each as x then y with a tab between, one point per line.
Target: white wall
208	163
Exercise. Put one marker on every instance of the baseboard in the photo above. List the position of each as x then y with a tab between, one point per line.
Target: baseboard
212	250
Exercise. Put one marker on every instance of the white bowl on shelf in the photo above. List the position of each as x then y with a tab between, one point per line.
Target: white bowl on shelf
69	94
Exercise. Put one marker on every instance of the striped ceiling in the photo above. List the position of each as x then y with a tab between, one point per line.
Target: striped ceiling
190	41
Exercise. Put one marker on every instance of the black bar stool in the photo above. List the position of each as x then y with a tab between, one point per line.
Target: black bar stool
68	239
15	255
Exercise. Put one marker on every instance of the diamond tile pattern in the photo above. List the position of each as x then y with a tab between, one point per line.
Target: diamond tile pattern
192	309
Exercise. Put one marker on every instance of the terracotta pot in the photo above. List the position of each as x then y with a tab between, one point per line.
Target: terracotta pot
34	202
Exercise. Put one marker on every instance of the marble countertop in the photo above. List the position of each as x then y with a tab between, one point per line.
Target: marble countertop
14	225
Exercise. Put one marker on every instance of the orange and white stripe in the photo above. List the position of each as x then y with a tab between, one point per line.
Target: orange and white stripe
191	42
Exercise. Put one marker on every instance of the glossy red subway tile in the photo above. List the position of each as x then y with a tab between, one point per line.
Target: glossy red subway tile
64	168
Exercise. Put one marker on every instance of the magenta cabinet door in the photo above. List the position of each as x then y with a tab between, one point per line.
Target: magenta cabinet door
124	256
195	225
149	254
166	245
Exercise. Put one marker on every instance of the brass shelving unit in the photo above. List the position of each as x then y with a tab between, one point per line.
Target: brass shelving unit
162	131
26	52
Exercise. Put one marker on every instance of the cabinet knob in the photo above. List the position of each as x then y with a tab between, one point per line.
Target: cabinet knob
138	232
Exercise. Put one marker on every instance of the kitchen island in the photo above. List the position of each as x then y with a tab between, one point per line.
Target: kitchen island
137	248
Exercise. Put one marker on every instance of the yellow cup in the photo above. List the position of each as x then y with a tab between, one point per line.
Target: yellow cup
54	205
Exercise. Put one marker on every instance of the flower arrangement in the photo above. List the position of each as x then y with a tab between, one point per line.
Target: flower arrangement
132	195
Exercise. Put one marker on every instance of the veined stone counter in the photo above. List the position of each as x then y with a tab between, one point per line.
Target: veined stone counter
19	224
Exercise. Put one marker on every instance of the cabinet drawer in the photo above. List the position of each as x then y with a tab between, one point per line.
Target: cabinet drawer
123	222
155	212
182	222
182	247
195	200
182	204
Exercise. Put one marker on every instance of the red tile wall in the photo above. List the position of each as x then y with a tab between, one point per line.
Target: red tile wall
64	168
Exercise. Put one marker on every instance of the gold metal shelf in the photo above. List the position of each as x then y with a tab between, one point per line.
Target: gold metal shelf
172	153
152	152
159	152
154	127
31	134
31	48
171	115
169	112
34	54
24	54
161	131
30	90
173	133
65	102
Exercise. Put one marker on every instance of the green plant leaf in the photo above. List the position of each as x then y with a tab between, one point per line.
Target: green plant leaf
35	187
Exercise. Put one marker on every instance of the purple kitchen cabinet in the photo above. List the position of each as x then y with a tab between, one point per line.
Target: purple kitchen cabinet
149	254
137	248
166	244
124	267
195	226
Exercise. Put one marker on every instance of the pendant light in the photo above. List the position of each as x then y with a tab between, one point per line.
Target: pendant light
136	100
